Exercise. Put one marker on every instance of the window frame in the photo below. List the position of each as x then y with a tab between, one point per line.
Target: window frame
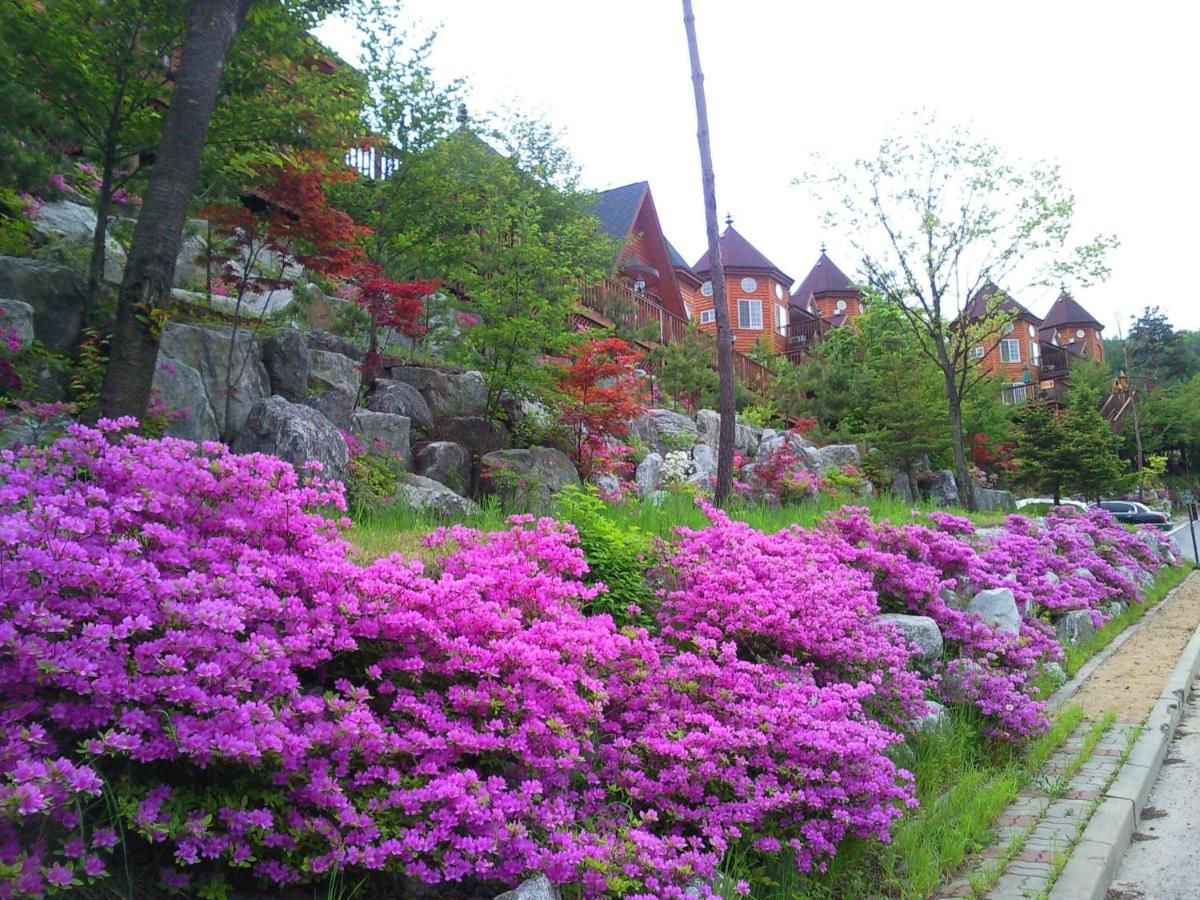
781	320
978	353
1015	342
1035	353
708	316
751	306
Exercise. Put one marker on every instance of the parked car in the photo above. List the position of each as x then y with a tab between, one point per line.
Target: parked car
1049	501
1133	513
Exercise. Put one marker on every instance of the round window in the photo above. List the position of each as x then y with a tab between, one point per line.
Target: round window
706	289
841	306
1079	332
778	292
749	285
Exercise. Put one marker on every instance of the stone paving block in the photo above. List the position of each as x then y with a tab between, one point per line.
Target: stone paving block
1064	809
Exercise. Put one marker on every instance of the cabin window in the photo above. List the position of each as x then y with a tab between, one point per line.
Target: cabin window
1010	350
781	319
750	314
977	353
708	316
1035	353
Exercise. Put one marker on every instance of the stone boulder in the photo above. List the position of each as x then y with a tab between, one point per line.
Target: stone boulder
16	316
662	430
960	679
536	888
835	456
383	433
402	400
68	223
419	492
445	462
447	393
902	487
333	384
922	634
1075	627
992	501
334	343
708	431
479	435
57	295
296	433
997	606
648	474
285	357
207	350
773	441
943	490
704	458
189	264
934	720
256	304
182	392
528	477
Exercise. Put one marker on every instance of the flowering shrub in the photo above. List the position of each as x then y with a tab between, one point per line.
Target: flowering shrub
677	466
190	658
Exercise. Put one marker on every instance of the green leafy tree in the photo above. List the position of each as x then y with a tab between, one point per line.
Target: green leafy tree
684	370
938	215
511	240
1090	447
1158	354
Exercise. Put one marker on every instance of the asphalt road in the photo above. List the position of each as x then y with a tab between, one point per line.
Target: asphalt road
1183	537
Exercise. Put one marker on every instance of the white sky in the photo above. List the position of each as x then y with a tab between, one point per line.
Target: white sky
1109	90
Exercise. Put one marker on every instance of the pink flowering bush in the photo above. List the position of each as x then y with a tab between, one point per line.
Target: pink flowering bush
191	659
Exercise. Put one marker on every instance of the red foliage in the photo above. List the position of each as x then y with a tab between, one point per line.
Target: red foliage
990	455
603	393
390	304
289	217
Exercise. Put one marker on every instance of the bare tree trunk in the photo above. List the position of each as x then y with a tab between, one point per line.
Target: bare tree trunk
211	27
721	306
962	477
99	239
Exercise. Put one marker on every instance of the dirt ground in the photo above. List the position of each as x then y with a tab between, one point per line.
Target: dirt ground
1131	679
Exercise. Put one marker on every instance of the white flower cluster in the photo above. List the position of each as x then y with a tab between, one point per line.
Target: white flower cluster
677	466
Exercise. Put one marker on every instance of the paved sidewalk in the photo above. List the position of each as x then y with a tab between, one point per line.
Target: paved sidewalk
1163	862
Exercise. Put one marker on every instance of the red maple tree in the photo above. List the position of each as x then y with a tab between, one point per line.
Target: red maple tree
391	304
603	393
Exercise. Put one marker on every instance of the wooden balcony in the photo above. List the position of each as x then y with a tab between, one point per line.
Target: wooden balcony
610	303
1055	362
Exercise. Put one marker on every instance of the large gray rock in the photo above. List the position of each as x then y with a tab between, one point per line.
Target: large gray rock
293	432
836	456
189	264
961	680
182	392
774	441
662	430
529	477
285	357
447	393
705	460
648	474
207	350
333	384
934	720
479	435
74	224
334	343
708	431
403	400
256	304
998	607
384	433
419	492
445	462
943	490
536	888
902	487
17	316
1075	627
992	501
922	634
56	293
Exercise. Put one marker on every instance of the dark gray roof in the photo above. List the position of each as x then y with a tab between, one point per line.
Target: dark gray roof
618	207
677	259
824	277
1067	311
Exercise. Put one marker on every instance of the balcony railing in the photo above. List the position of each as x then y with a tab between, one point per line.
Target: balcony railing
1055	362
615	303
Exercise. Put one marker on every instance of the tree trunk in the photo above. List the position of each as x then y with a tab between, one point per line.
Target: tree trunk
962	477
721	307
99	239
211	27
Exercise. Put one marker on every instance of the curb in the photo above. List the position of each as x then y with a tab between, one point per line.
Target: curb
1095	858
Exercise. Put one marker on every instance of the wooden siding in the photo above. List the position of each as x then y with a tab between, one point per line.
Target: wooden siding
1012	371
826	304
1092	342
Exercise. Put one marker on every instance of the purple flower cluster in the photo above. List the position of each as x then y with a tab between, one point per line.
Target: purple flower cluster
190	657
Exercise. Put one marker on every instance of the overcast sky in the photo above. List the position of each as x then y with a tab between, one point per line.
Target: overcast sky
1109	90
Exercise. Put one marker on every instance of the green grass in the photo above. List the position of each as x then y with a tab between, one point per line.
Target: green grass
398	529
963	782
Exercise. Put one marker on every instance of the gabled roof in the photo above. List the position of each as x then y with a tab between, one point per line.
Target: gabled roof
978	307
739	253
617	208
824	277
1066	311
680	263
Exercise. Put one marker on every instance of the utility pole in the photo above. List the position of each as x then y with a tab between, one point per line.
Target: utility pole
720	304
